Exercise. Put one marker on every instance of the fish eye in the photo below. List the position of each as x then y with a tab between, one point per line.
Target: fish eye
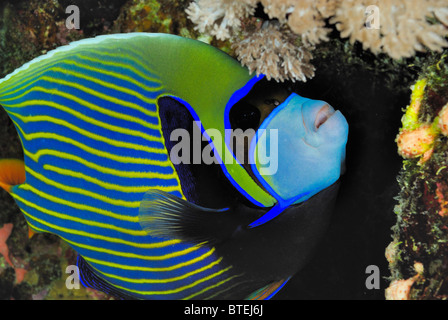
244	116
272	102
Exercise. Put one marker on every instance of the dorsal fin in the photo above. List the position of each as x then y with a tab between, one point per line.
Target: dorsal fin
12	173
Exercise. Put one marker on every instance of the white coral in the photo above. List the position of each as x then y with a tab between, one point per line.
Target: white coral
272	52
404	26
219	18
305	17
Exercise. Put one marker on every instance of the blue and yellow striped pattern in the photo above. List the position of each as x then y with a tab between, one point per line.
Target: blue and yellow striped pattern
88	121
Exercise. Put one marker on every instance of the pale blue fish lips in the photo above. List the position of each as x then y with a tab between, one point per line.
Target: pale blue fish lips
322	123
296	154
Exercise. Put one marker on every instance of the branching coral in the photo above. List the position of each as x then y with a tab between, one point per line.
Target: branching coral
220	18
282	58
305	17
404	27
272	49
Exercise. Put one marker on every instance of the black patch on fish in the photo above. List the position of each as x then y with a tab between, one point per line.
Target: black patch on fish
274	251
279	248
202	184
174	115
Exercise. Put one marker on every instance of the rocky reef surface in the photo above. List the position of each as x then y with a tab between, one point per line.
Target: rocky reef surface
418	254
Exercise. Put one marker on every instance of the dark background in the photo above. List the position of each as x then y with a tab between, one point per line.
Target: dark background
361	226
371	91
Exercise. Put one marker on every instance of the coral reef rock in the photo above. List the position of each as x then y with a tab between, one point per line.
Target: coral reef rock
420	239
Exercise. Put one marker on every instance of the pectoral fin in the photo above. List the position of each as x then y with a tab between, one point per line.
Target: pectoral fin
12	173
166	216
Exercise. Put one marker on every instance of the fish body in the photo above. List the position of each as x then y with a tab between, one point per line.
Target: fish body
95	120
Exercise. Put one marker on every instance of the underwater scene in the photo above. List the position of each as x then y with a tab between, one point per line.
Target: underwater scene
224	150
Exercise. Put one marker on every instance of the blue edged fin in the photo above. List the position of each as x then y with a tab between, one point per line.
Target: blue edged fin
271	214
269	291
164	215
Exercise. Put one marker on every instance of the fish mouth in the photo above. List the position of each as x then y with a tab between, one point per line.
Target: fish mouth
325	113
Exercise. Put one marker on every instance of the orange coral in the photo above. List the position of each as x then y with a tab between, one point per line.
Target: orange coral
443	120
391	252
443	212
5	232
20	274
401	289
414	143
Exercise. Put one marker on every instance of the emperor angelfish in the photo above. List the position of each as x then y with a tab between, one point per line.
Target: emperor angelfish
111	168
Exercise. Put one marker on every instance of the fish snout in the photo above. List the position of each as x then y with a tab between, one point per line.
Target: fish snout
323	122
315	113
